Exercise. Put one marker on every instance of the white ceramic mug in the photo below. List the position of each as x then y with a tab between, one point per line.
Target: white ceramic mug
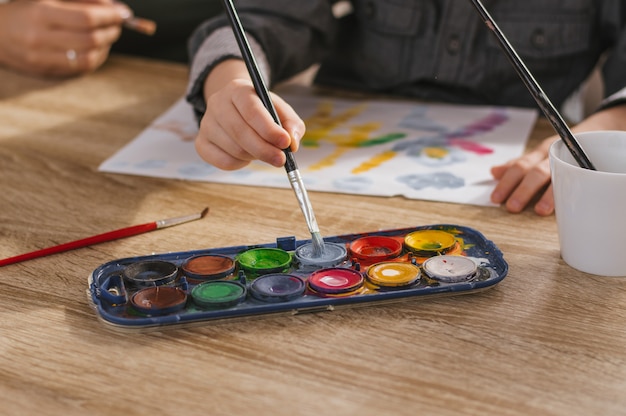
590	205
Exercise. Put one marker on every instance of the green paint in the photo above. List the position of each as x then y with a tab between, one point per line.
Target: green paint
218	291
309	142
387	138
217	294
263	259
431	246
313	141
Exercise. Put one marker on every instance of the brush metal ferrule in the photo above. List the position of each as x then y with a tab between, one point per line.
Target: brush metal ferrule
169	222
303	199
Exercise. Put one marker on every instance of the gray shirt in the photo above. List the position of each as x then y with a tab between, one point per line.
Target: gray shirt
436	50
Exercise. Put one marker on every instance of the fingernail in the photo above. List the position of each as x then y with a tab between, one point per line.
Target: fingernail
514	205
496	198
543	208
296	135
278	161
124	11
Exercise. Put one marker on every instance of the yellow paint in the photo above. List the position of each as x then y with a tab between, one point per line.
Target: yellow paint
322	122
345	143
393	274
435	152
320	126
359	291
374	161
435	241
329	160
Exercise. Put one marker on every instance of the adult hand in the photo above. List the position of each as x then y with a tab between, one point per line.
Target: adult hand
58	38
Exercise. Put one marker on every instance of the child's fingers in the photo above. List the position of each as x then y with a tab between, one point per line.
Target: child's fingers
259	118
521	182
226	128
217	157
291	121
545	206
243	142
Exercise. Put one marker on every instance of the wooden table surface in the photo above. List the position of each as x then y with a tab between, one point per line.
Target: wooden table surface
547	340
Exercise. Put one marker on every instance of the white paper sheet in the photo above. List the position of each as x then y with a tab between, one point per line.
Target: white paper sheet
371	147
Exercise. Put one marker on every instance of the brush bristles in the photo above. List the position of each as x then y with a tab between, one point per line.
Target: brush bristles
318	244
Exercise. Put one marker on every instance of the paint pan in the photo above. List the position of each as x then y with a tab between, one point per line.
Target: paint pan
259	261
150	273
276	281
393	274
375	249
159	300
335	281
450	269
277	288
208	267
218	294
428	243
332	255
113	291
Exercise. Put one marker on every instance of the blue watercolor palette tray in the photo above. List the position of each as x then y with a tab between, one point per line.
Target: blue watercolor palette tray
288	276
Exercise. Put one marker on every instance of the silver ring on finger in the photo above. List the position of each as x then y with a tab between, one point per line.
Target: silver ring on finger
72	58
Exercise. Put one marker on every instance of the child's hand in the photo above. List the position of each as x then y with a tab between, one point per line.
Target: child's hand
521	179
529	175
237	128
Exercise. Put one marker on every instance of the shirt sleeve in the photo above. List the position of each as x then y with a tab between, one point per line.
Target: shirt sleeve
614	67
614	99
286	37
217	47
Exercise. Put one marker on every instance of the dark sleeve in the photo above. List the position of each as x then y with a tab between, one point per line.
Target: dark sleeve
614	67
294	34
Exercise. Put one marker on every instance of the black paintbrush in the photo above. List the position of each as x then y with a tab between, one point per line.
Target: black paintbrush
542	100
290	165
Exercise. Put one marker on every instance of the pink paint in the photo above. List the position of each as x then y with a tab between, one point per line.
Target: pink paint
470	146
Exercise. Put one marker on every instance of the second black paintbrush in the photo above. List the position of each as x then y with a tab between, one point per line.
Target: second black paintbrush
290	165
535	89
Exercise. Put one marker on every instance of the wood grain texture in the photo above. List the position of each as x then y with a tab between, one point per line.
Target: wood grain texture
548	340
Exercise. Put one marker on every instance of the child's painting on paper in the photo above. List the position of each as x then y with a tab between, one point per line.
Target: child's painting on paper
372	147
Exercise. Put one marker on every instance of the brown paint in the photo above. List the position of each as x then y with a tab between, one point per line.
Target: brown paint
159	297
209	266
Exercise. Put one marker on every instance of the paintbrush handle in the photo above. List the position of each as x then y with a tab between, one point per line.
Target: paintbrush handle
535	89
290	162
104	237
255	74
72	245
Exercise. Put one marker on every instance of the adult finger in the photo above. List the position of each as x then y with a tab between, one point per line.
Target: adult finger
62	63
83	40
78	15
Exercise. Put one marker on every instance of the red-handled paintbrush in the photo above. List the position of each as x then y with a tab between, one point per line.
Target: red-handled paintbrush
101	238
